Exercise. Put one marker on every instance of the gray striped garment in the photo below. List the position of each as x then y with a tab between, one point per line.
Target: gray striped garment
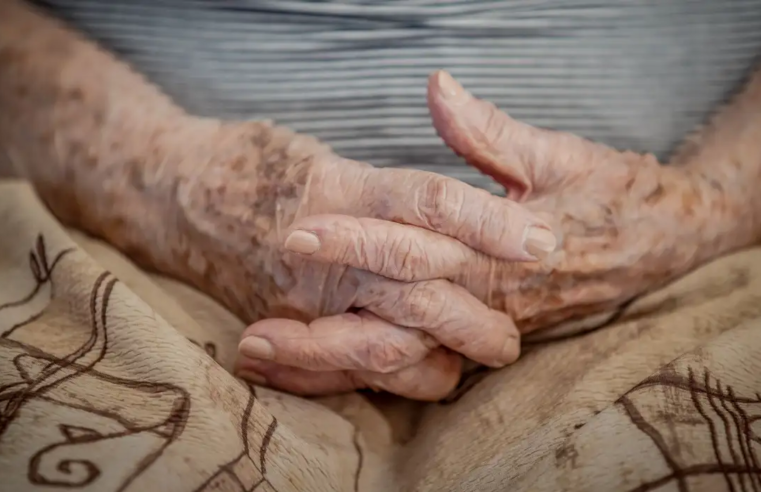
635	74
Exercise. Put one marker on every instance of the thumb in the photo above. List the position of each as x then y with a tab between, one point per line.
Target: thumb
525	160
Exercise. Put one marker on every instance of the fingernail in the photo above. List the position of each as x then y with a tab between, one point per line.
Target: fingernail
511	350
539	243
302	242
257	348
253	377
449	87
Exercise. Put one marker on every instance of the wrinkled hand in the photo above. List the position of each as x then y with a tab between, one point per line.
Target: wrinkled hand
336	256
626	225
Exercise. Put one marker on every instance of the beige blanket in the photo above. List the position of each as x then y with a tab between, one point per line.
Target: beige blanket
112	379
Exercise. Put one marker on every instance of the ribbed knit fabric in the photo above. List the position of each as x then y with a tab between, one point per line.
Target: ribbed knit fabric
635	74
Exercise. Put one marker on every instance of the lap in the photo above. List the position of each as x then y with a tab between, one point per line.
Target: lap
112	378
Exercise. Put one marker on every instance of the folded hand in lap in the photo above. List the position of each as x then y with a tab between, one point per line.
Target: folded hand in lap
354	276
347	266
625	224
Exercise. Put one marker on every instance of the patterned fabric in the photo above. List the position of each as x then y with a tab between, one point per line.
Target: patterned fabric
634	74
112	379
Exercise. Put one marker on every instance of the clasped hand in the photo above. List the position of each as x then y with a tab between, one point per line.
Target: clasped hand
358	277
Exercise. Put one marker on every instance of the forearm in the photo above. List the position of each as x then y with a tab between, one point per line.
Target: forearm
112	155
93	136
725	158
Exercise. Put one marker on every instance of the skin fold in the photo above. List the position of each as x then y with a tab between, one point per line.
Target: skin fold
358	277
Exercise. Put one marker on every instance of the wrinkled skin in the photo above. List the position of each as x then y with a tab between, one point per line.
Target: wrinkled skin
626	225
214	204
413	269
377	293
621	216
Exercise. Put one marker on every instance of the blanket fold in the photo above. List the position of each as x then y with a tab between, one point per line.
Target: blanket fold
116	379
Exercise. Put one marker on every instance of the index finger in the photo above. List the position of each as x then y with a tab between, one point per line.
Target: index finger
431	379
495	226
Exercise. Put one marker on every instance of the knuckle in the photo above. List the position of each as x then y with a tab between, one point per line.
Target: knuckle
405	259
425	304
388	357
336	184
354	245
440	201
391	352
368	248
348	254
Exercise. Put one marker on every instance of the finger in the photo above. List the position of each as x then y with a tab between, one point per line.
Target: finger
361	341
487	223
522	158
397	251
447	312
431	379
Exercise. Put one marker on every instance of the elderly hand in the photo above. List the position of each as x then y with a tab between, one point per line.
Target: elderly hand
270	223
625	222
346	264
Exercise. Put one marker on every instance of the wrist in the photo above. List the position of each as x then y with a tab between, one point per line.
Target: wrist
215	199
728	213
698	219
234	195
722	159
